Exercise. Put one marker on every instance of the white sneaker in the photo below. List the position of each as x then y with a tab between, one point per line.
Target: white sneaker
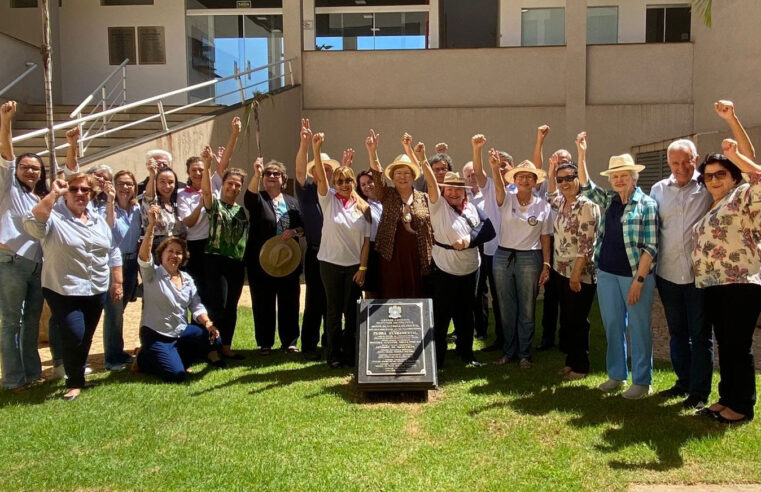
611	385
58	372
637	391
88	370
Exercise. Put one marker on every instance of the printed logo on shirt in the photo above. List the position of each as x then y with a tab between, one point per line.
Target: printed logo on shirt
532	221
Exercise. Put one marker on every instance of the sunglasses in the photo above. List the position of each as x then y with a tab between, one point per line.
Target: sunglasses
272	174
341	182
717	175
565	179
79	189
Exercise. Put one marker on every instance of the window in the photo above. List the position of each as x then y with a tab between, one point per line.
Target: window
468	24
125	2
23	4
372	31
656	168
602	25
543	27
667	24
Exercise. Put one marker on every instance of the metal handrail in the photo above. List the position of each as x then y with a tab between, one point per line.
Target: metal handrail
30	66
106	114
89	98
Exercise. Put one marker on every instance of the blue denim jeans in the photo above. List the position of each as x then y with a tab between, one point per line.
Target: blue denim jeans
168	358
113	312
618	318
516	275
690	338
20	308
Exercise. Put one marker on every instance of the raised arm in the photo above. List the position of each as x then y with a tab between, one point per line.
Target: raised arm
145	248
478	141
348	157
726	111
581	149
730	148
305	138
72	151
206	193
44	207
108	188
318	171
430	179
496	174
253	185
7	112
552	169
150	187
537	157
371	144
224	161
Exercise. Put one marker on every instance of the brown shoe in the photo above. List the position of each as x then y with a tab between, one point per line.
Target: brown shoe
503	360
573	376
525	363
565	371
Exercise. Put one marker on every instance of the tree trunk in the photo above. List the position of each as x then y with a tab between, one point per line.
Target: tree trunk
47	67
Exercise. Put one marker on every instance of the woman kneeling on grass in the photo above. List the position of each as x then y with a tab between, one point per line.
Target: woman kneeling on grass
168	344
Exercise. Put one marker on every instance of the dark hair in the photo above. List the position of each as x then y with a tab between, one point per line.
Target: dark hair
359	188
567	165
724	162
173	197
41	187
281	168
191	160
173	240
234	171
441	158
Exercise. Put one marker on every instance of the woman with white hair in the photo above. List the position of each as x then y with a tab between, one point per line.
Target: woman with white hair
627	244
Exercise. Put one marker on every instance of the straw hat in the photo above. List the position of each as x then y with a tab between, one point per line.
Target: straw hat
525	167
623	162
325	160
279	258
402	160
453	180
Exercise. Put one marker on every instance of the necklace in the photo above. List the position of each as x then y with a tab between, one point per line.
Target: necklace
521	204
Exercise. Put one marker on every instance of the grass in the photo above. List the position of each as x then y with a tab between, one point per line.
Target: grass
279	423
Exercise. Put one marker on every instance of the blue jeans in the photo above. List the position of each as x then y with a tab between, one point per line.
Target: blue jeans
690	336
113	312
168	357
516	275
20	308
618	318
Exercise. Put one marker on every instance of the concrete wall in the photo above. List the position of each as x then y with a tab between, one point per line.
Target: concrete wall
15	55
23	24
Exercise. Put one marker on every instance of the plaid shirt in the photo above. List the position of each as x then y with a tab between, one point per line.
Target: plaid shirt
639	222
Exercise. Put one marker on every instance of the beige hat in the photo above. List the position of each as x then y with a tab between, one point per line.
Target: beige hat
279	258
525	167
325	160
453	180
623	162
402	160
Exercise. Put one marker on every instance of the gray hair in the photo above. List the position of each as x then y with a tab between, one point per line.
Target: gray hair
160	152
633	174
101	167
685	145
504	155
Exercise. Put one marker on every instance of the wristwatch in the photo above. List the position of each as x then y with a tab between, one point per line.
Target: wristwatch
640	279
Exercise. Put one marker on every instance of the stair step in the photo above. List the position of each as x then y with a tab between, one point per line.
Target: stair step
148	108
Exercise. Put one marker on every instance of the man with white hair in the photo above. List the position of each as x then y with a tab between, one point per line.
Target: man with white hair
162	159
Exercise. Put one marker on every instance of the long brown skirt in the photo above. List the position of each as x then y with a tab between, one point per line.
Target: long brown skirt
401	277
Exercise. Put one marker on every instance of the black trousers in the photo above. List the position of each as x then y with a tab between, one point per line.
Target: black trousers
550	307
315	307
453	300
341	294
265	292
733	310
196	266
481	307
574	325
224	281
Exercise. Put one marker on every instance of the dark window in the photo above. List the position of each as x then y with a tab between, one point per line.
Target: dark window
372	31
656	168
125	2
232	4
23	4
470	24
363	3
667	25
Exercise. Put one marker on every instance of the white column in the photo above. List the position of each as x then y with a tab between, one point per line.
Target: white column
309	25
292	35
433	24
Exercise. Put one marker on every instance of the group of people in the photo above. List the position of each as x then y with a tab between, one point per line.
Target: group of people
414	229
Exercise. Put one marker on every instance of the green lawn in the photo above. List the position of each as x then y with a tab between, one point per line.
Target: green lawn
279	423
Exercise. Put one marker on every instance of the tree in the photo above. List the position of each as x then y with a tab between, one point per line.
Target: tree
704	8
47	67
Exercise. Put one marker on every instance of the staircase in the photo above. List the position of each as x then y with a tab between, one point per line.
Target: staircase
32	117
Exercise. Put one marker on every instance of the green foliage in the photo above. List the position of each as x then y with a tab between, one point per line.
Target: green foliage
704	8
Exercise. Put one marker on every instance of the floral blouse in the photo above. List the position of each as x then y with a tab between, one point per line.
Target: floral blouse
575	235
728	238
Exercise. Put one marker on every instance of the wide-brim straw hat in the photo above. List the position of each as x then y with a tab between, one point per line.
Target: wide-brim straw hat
279	258
325	160
402	160
623	162
453	180
525	167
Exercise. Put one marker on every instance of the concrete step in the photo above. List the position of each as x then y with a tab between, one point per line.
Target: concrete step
25	126
65	110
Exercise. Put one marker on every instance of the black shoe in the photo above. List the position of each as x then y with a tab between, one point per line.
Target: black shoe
545	346
235	356
694	402
480	337
311	354
491	348
219	363
673	392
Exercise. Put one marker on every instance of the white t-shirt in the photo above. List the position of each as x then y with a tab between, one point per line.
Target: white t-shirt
522	229
188	199
343	231
492	211
448	227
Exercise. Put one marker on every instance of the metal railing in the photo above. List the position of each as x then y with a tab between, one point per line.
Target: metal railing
109	97
285	71
30	66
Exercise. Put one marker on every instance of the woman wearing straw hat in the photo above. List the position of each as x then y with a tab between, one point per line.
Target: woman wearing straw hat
627	243
405	236
459	228
343	254
522	260
272	214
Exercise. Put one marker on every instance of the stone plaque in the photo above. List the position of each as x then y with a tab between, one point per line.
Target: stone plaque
121	45
396	351
151	45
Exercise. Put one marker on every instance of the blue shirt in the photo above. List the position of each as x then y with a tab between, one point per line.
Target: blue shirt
15	204
165	309
126	228
78	256
311	212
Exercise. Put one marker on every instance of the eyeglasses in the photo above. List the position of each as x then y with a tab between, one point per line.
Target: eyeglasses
272	174
125	185
31	169
79	189
717	175
341	182
565	179
525	177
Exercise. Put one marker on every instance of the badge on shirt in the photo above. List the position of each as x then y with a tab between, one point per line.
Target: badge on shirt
532	221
